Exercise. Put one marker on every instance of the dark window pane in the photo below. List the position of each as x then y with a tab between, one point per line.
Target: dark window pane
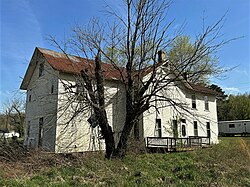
183	130
158	127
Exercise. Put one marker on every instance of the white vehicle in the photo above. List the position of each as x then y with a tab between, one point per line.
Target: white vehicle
236	127
7	134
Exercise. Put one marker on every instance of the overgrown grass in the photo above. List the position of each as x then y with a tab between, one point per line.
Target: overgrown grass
225	164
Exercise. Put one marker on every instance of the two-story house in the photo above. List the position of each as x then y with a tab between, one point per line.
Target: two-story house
50	120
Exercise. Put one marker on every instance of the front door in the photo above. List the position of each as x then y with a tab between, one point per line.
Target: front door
183	128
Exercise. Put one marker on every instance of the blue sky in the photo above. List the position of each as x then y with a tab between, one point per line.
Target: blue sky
25	24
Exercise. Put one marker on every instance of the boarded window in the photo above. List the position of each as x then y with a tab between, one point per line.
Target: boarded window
206	103
195	128
231	125
158	128
193	101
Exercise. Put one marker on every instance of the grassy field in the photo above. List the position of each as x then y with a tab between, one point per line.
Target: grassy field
225	164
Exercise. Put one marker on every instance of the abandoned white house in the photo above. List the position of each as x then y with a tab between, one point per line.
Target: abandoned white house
49	107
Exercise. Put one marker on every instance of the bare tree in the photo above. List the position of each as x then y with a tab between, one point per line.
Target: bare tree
138	38
15	117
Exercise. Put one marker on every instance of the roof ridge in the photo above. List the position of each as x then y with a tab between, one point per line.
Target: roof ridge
42	50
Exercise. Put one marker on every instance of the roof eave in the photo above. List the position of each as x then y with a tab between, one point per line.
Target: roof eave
29	71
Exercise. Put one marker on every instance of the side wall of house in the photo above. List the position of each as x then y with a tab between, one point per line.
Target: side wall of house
41	107
168	114
76	134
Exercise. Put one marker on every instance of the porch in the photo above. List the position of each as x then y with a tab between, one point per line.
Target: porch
171	144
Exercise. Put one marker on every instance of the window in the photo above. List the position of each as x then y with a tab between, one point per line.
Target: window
183	130
193	101
208	130
52	89
40	135
195	128
158	127
30	95
80	92
231	126
206	103
41	69
175	129
28	129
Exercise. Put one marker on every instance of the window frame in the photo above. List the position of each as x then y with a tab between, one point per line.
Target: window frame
158	127
193	98
52	88
196	128
206	103
183	130
41	70
208	129
175	129
40	133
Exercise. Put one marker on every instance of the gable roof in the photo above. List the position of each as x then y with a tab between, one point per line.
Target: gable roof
69	64
74	64
203	89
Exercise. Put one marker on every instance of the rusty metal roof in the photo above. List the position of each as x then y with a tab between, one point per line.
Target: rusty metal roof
74	65
203	89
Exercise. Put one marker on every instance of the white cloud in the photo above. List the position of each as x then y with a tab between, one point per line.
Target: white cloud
231	90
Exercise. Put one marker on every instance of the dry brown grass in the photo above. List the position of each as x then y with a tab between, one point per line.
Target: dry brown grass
225	164
17	162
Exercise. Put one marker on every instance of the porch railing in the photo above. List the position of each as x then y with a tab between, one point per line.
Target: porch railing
171	143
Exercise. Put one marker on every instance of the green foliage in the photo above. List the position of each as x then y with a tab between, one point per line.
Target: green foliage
225	164
236	107
199	67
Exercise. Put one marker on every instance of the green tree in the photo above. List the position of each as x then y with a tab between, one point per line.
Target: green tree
198	65
236	107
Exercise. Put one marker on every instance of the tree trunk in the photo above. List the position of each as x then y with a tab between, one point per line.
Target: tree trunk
121	148
107	132
101	112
